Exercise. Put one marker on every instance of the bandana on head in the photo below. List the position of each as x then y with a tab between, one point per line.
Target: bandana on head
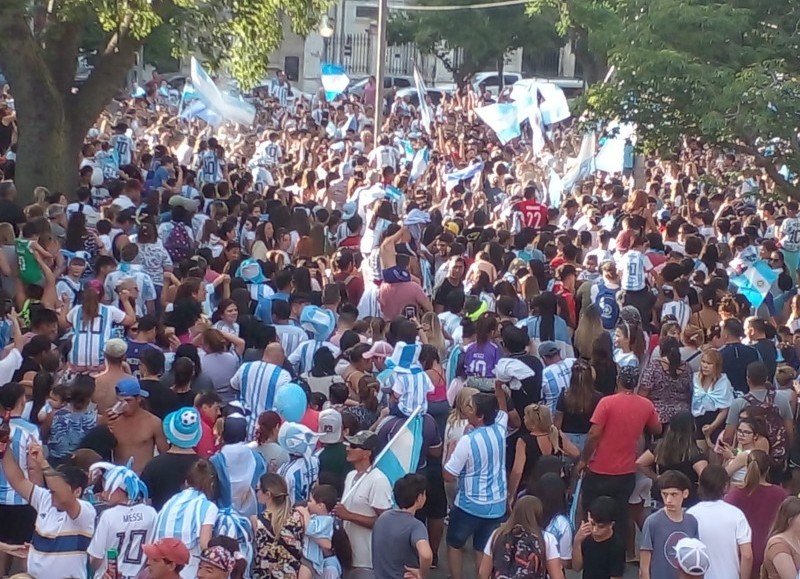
121	477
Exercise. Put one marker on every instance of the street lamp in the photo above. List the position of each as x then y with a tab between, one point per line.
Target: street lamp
326	31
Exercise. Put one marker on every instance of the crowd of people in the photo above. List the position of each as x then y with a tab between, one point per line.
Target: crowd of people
209	344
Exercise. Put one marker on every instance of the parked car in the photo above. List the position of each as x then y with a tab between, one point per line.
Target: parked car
491	81
572	87
357	86
435	93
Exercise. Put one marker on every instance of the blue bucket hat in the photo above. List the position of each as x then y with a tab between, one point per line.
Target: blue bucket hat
183	428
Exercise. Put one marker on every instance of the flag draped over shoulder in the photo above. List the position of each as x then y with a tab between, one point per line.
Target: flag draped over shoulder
755	282
401	455
226	106
334	80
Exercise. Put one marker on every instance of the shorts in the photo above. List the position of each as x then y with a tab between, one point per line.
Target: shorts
18	523
641	492
304	562
435	506
395	274
462	525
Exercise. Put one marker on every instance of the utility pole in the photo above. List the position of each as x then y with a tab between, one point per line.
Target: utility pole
380	68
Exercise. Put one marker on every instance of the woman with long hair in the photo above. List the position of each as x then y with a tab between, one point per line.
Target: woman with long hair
677	450
629	344
552	491
457	426
264	242
758	500
219	361
782	553
279	532
368	410
712	396
692	340
266	441
576	404
751	434
500	554
92	325
667	381
542	438
432	326
590	326
79	238
604	368
545	325
438	407
194	504
482	355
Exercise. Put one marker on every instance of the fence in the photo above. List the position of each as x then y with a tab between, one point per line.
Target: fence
356	53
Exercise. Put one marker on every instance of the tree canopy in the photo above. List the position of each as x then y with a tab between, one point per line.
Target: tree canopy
726	72
486	35
42	40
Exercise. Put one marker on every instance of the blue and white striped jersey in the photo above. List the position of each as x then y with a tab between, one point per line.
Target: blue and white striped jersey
257	383
290	337
183	517
89	338
22	434
633	268
300	473
302	358
555	380
479	462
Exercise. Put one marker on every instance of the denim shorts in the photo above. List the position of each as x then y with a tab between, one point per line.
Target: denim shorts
462	525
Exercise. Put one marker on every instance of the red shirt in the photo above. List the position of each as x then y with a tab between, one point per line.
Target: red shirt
534	214
208	442
569	298
623	418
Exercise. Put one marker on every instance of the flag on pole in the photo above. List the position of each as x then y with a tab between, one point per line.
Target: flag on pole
334	80
584	164
227	107
424	108
755	282
502	119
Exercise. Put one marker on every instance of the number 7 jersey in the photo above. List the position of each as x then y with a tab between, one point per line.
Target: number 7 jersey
125	528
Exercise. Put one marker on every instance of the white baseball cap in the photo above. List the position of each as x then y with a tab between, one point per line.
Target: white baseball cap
692	557
330	426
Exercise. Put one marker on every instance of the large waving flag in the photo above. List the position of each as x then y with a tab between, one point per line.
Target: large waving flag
198	110
611	156
424	109
755	282
400	456
334	80
502	119
555	107
584	164
468	172
229	108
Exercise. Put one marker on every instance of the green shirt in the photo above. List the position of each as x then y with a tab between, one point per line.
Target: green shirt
29	270
333	465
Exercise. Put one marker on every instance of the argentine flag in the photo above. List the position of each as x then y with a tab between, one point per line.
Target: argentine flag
502	119
755	282
334	80
226	106
401	455
584	164
424	109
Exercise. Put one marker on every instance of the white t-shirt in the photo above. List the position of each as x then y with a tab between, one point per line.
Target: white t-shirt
722	527
126	528
59	542
374	492
550	546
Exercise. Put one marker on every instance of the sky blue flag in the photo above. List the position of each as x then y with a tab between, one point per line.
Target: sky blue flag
502	118
419	164
334	80
755	281
225	106
584	164
401	455
468	172
197	109
425	113
555	188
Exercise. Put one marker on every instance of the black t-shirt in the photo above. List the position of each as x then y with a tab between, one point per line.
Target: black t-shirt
440	299
603	560
101	440
28	365
182	399
165	476
11	213
161	400
576	423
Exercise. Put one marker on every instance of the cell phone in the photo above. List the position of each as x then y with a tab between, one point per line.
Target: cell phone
119	407
410	312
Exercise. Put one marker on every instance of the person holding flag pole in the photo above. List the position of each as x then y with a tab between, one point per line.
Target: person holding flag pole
368	488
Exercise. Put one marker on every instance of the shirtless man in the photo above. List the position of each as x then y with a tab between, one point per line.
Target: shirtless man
138	432
105	393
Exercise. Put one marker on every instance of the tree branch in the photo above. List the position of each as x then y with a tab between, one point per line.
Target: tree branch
61	43
768	166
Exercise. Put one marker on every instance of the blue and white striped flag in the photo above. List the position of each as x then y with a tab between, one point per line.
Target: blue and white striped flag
755	282
401	454
226	106
584	164
424	109
334	80
502	119
468	172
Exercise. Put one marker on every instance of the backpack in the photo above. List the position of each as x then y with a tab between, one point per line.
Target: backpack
606	302
519	555
178	244
776	430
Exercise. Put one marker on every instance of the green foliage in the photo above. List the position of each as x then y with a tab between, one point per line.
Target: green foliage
485	35
726	71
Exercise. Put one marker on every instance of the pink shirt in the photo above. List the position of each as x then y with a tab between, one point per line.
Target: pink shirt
394	297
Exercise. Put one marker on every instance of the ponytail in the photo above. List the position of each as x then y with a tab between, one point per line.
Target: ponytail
758	463
555	438
670	349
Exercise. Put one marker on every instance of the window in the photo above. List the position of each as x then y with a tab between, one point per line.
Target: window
291	66
369	12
